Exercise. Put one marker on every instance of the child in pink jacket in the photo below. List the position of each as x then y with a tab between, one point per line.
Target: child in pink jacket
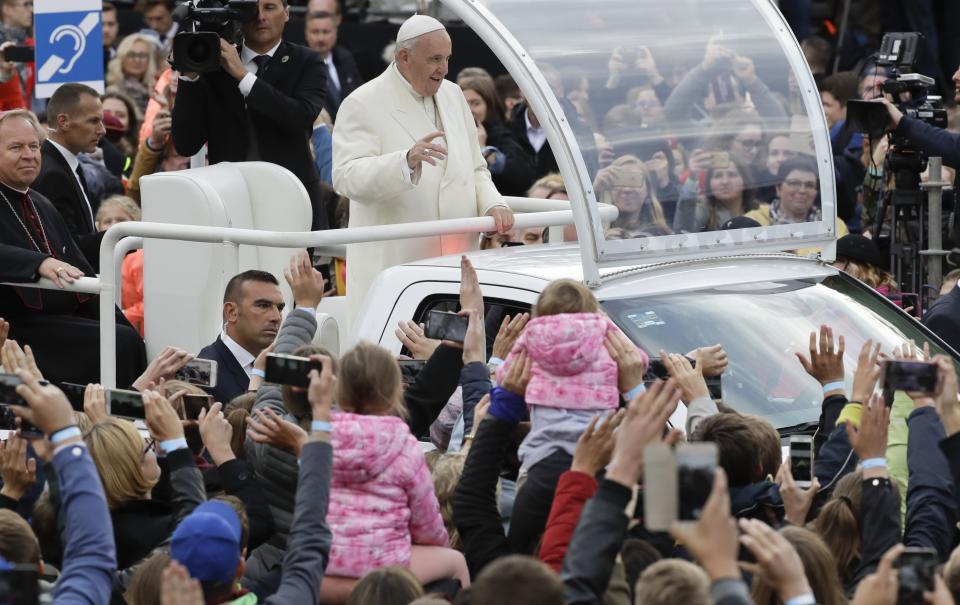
573	377
383	509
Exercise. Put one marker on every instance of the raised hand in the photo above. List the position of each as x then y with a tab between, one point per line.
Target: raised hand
179	588
689	377
595	446
163	367
631	366
268	427
161	419
778	560
425	150
713	359
796	500
867	373
712	540
19	473
880	587
14	358
869	440
306	283
216	432
323	386
643	424
518	376
412	337
95	403
475	341
47	407
470	295
510	330
826	362
946	396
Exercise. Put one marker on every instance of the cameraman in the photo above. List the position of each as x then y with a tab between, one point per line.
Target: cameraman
260	105
931	140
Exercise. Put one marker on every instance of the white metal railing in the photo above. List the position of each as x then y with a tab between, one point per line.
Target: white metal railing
123	237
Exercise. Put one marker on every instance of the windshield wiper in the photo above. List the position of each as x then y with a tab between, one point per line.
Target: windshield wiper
805	428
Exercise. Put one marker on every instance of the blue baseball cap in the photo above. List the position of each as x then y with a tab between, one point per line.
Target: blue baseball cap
207	542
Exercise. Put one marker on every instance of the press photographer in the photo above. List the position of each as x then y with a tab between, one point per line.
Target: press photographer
259	101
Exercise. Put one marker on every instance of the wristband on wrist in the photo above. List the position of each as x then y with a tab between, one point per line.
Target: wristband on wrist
58	437
171	445
869	463
321	426
837	385
258	372
804	599
637	390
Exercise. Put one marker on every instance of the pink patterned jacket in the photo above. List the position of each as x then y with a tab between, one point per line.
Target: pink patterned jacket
571	366
381	496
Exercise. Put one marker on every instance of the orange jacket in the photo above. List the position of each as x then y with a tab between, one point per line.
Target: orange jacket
131	294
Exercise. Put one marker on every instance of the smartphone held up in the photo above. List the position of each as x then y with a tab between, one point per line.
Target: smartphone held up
677	483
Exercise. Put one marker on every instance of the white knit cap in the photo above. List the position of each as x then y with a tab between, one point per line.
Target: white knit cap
417	26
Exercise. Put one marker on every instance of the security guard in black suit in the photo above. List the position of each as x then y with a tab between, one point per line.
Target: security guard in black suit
261	104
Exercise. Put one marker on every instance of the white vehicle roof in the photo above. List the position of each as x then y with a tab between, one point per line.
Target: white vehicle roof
538	265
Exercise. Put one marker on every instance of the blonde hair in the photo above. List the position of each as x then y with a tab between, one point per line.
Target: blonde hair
650	212
446	471
115	75
127	204
565	296
552	182
368	381
871	275
673	581
117	450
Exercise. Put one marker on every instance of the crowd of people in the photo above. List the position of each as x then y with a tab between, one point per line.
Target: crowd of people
506	468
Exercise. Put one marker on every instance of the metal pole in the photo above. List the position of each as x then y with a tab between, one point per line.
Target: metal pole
934	187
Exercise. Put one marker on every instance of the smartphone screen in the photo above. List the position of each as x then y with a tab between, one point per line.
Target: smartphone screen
919	376
695	469
801	459
20	585
201	372
917	567
75	394
659	487
290	369
8	397
193	404
410	369
443	325
127	404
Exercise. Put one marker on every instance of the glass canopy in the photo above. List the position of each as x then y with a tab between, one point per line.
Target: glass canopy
682	113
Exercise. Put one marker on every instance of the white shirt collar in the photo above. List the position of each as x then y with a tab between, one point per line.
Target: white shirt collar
536	136
247	55
332	69
68	155
530	126
243	356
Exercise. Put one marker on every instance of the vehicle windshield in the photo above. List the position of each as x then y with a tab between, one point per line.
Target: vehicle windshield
683	111
761	326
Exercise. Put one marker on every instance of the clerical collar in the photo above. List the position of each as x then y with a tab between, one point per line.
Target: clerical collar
14	189
409	86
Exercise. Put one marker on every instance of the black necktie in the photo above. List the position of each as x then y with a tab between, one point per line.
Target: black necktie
86	193
261	61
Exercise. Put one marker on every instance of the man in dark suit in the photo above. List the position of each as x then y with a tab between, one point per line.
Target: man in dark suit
261	104
343	75
35	241
75	117
943	318
252	307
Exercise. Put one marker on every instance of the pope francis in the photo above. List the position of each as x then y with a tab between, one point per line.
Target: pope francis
405	149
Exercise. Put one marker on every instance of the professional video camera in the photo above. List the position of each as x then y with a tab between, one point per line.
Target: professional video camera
909	92
202	23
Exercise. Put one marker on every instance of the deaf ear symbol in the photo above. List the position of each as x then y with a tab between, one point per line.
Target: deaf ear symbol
56	64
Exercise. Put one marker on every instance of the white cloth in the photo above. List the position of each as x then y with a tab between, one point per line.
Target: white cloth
376	126
248	56
73	162
244	357
536	136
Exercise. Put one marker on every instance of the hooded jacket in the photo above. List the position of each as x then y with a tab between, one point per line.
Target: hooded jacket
571	366
382	497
